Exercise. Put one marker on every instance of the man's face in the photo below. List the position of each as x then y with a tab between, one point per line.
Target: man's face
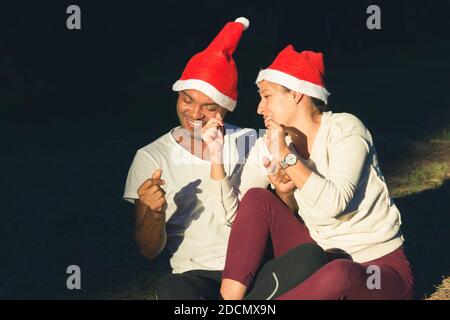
194	109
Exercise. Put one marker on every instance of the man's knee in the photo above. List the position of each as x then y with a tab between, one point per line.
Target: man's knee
309	254
297	264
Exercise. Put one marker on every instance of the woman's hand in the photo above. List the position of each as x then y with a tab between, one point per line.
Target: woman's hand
279	178
212	135
275	139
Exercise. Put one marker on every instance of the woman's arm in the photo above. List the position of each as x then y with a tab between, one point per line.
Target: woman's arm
332	193
231	188
212	135
284	186
228	190
217	168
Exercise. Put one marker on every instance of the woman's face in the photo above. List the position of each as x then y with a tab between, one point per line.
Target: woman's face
276	103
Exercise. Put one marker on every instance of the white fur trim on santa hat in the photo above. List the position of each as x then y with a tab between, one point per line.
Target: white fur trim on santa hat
244	22
293	83
208	89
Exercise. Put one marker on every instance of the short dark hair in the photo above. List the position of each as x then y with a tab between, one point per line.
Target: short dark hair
318	103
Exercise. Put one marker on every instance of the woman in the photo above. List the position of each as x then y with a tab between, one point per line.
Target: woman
328	173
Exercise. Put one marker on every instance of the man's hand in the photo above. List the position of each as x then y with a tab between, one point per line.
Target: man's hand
152	195
279	178
212	135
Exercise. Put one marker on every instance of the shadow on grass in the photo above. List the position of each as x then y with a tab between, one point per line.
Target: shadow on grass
426	222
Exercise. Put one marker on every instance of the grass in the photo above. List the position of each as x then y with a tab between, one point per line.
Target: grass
140	288
416	179
419	169
426	168
442	291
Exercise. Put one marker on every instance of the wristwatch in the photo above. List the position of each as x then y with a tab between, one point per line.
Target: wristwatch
289	160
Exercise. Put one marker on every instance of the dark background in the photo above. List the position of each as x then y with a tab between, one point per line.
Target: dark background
75	105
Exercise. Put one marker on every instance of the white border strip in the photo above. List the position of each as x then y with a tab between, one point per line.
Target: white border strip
206	88
293	83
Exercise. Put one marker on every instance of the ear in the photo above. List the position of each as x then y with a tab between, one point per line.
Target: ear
297	96
223	113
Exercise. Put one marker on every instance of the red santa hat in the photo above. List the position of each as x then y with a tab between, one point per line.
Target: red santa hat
213	70
299	71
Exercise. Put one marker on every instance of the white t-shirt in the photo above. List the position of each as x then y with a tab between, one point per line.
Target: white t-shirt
197	223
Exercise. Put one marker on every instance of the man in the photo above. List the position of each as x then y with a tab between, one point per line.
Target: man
176	203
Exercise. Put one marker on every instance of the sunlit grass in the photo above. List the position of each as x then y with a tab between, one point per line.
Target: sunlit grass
417	178
442	291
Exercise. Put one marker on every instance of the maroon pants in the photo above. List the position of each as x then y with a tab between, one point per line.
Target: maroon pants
262	216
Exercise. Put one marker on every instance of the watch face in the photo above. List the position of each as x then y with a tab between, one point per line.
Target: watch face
291	159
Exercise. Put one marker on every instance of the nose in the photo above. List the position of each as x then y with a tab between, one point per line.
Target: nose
197	113
261	108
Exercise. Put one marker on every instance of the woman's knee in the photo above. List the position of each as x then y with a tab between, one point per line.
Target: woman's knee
253	202
259	199
256	195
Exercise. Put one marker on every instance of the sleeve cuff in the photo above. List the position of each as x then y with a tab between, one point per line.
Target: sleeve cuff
220	188
130	197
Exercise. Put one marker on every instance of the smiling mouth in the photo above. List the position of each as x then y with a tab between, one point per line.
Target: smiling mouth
195	123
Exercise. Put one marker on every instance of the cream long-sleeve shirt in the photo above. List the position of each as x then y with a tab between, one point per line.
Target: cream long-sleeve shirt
345	202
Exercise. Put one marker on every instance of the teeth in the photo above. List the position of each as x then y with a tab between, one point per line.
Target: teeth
197	123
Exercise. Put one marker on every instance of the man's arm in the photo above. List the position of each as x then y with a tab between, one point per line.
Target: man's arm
150	212
150	230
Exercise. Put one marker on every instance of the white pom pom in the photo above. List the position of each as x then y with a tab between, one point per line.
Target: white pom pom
244	22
